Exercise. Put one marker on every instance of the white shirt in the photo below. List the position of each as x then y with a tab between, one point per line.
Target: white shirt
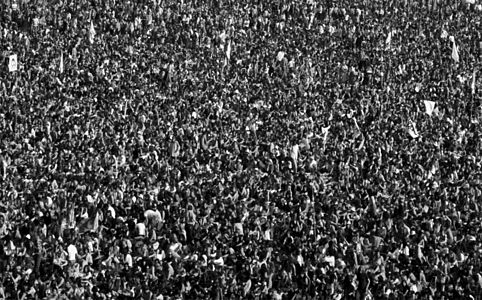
72	250
141	229
129	260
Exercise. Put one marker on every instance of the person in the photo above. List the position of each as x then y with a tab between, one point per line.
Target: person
3	226
73	253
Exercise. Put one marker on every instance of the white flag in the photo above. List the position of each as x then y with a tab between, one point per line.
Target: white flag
429	107
228	53
472	86
388	41
455	52
91	33
12	63
61	62
325	131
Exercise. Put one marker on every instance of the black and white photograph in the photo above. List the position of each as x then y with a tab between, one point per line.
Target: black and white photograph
240	149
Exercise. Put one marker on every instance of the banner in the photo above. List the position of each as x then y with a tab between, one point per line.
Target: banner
12	63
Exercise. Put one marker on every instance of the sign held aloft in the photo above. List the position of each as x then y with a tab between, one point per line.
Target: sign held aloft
12	63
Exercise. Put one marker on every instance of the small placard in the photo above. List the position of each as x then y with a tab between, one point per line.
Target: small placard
12	63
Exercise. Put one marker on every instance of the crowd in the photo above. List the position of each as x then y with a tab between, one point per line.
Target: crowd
158	149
